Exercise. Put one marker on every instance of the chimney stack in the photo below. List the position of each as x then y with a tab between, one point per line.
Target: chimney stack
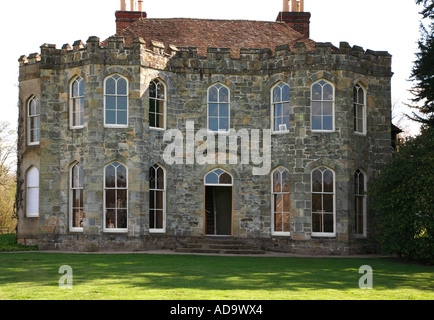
297	19
123	5
124	18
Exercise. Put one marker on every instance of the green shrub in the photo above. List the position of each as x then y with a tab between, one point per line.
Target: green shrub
403	198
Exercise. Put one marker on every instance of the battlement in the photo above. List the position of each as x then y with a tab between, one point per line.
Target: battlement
159	55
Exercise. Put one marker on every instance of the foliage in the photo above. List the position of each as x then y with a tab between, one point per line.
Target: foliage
403	198
9	243
423	70
7	176
35	276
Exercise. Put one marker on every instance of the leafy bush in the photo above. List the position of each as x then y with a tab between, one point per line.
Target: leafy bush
8	243
403	198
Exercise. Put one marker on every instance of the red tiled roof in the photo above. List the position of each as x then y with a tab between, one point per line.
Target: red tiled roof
201	33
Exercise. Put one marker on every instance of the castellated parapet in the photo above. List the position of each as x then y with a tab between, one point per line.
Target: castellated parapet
160	56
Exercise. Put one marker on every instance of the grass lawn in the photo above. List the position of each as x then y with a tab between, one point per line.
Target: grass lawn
35	275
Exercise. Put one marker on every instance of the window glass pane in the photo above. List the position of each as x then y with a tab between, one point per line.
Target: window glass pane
75	89
278	110
152	201
316	222
110	117
277	123
213	94
152	105
160	179
278	222
81	88
286	222
161	91
285	181
213	124
152	178
159	199
327	123
122	103
33	201
110	198
122	86
224	110
224	95
286	109
33	177
160	107
77	218
152	219
328	223
328	108
159	219
110	102
316	202
225	178
110	176
286	202
328	181
160	121
121	200
285	93
316	92
121	117
328	92
224	124
328	203
152	90
317	181
316	123
277	181
316	108
110	218
278	203
277	95
211	178
110	86
121	177
213	109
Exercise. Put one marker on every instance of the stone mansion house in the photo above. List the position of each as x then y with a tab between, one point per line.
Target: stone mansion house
124	142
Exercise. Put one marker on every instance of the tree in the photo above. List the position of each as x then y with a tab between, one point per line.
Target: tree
423	70
7	176
403	199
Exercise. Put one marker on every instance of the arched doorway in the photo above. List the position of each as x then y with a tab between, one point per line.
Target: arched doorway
218	203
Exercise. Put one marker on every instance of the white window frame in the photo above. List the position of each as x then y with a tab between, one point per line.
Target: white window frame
273	232
273	105
324	234
71	198
34	186
364	196
115	230
156	82
322	101
363	106
108	125
219	131
156	167
30	117
72	99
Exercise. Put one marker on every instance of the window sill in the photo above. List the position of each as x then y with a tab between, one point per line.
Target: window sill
280	132
109	230
76	230
157	129
113	126
157	231
323	235
281	234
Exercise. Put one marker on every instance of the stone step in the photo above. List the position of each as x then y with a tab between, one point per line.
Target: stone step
244	251
219	245
197	250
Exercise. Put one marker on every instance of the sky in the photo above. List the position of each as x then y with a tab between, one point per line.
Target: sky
380	25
